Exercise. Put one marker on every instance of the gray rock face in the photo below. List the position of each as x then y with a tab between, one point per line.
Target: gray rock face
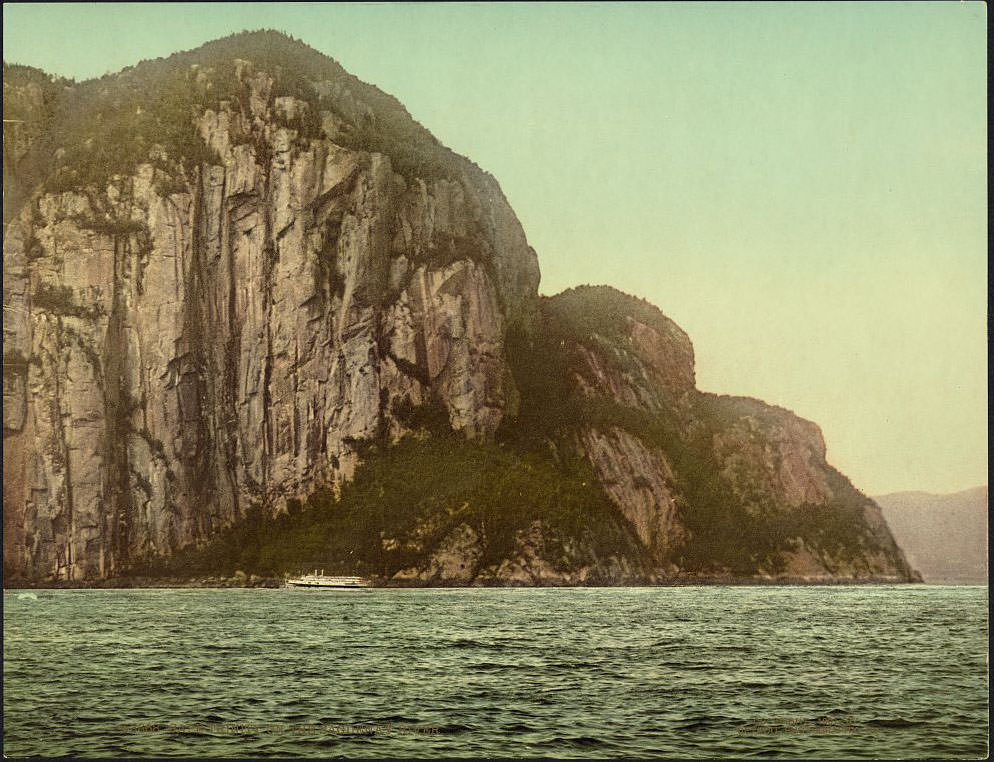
173	356
782	456
639	481
767	460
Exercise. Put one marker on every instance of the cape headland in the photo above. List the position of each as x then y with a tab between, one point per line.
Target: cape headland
257	320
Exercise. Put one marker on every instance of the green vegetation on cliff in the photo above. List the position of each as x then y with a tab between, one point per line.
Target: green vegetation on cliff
30	97
104	127
404	501
407	498
726	531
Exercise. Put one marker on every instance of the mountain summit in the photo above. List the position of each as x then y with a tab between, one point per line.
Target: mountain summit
257	318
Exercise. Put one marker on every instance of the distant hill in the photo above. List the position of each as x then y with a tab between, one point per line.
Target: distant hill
943	536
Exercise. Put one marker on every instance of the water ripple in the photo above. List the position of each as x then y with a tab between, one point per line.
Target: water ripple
851	672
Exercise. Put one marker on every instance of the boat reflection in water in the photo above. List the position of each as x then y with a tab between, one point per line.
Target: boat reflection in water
322	580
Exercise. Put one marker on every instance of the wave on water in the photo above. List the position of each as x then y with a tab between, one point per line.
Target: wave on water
829	672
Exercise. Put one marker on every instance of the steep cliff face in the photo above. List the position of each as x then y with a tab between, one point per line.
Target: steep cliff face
710	486
182	345
256	316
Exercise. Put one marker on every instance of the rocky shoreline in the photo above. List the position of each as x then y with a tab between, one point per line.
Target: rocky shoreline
253	581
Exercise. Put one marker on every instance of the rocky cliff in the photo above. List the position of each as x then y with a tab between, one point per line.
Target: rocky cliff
256	315
710	485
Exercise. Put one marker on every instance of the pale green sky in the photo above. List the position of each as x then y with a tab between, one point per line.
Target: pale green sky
801	187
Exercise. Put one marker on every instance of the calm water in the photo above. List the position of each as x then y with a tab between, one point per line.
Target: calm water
815	672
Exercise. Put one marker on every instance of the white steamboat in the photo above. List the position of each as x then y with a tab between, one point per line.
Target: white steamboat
326	581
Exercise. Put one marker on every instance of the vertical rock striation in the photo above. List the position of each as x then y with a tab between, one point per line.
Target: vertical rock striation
195	351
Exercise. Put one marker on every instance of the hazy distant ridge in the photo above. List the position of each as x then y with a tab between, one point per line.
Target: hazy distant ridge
943	536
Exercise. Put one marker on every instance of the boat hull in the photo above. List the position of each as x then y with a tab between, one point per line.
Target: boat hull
325	587
328	582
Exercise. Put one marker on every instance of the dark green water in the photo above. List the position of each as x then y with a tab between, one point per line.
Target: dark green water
867	672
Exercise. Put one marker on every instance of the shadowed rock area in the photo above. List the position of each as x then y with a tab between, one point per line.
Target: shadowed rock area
257	319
